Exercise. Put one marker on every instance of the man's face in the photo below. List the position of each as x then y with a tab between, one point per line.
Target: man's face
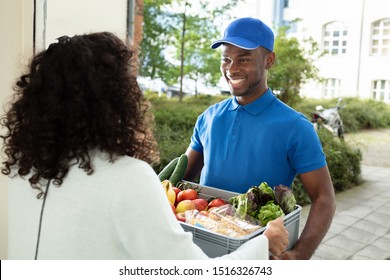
246	70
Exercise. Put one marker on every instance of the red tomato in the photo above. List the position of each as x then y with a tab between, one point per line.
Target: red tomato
188	194
216	202
179	197
200	204
177	190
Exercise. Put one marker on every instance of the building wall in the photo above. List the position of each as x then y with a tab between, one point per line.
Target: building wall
343	67
76	17
53	19
373	67
16	19
356	69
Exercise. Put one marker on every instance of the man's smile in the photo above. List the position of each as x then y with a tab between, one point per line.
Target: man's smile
235	82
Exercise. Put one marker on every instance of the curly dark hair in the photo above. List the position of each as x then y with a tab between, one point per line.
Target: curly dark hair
78	95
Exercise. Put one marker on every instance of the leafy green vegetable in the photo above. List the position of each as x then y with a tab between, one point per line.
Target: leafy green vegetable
285	198
263	203
240	203
247	203
266	193
269	212
254	201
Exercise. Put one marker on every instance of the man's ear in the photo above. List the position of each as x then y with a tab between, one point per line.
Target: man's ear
270	60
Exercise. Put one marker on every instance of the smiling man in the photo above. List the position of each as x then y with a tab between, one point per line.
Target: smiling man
253	137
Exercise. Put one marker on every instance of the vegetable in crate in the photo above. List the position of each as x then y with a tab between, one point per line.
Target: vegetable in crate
247	203
266	193
262	203
285	198
168	169
180	169
187	185
269	212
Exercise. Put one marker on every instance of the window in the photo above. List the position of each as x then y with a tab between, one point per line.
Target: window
380	37
335	38
331	88
381	90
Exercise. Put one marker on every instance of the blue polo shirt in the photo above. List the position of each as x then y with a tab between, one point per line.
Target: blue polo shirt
264	141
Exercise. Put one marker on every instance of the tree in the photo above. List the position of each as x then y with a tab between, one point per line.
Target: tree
156	28
187	28
293	66
197	60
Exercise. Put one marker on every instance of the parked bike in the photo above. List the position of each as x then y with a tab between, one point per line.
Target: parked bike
330	119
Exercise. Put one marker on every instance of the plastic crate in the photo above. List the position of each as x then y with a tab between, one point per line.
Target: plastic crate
216	245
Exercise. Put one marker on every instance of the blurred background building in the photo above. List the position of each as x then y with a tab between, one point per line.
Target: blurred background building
353	34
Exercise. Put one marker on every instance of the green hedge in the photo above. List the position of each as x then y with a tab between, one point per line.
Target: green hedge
174	122
344	163
357	114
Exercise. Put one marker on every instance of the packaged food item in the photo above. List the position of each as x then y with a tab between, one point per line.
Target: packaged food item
223	220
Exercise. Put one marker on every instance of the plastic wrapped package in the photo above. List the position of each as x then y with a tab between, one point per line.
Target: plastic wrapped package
223	220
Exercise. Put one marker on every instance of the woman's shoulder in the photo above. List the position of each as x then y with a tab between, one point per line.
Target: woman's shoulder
124	171
121	165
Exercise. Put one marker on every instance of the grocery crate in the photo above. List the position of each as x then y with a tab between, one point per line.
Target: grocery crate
216	245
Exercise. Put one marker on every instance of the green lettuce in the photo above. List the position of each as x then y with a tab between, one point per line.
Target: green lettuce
269	212
285	198
263	203
266	193
247	203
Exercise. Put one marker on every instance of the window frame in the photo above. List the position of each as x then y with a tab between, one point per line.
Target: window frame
331	88
380	90
335	38
380	33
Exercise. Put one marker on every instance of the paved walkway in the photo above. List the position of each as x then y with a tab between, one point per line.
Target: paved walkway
361	227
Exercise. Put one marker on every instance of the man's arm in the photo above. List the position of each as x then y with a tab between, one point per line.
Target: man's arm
194	166
319	187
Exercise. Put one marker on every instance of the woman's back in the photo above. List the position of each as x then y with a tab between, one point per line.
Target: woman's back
98	216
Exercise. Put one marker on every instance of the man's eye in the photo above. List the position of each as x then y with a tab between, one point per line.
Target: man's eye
225	60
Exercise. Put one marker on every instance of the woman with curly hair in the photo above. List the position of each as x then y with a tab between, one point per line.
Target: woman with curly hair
78	149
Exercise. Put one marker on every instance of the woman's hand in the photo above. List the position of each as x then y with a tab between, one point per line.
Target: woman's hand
277	235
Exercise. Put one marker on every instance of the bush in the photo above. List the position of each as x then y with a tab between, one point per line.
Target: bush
344	163
365	114
174	122
357	114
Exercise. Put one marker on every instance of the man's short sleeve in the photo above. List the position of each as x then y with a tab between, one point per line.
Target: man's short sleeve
196	143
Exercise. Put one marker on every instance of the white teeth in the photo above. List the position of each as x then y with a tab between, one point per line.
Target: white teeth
237	81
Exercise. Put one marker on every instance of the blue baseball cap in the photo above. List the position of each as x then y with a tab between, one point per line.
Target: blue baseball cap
247	33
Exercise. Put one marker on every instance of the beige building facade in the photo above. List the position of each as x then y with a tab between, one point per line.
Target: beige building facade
354	34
